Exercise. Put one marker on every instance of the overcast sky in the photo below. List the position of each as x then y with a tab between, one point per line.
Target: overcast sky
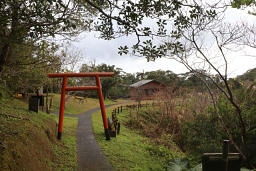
103	51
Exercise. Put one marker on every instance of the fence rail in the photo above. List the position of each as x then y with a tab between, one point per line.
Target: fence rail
115	129
120	109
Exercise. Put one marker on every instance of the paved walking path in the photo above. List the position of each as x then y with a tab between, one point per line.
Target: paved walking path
90	156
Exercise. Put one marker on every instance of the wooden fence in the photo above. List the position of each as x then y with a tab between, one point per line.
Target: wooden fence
115	124
120	109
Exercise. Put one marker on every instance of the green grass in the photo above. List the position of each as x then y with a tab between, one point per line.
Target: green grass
130	150
28	139
65	150
72	106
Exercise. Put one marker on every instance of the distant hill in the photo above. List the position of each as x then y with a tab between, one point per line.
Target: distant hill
250	75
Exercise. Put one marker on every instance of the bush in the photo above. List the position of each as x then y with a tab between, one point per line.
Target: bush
4	92
246	99
200	131
200	135
205	133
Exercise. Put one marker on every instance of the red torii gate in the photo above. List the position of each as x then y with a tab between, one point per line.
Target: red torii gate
97	87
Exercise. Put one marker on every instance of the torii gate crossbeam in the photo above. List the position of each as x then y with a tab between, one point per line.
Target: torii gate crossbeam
97	88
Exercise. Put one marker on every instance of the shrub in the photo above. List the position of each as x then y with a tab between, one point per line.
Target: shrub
199	131
200	135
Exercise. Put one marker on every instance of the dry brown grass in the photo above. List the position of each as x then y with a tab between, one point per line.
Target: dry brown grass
170	109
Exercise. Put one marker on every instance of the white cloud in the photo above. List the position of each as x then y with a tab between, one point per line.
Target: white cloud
104	51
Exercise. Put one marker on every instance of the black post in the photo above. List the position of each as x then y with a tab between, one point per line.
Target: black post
225	153
107	134
33	103
118	128
59	136
225	149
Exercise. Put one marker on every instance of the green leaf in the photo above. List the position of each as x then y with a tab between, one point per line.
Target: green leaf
178	165
197	168
174	167
244	169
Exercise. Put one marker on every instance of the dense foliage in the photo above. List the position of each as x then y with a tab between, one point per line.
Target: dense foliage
26	52
190	120
27	22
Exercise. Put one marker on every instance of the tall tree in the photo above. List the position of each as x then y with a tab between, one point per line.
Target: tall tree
242	3
108	83
186	32
27	21
30	69
165	77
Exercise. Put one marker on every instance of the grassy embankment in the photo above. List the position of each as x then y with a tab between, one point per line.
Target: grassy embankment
28	139
131	150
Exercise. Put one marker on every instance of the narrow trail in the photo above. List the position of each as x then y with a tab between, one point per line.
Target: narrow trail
90	156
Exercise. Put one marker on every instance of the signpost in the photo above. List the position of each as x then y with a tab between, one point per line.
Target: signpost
97	88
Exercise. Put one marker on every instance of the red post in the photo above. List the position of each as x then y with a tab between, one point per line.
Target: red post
97	87
103	111
62	106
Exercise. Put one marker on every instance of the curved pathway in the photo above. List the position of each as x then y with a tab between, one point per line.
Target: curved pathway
90	156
